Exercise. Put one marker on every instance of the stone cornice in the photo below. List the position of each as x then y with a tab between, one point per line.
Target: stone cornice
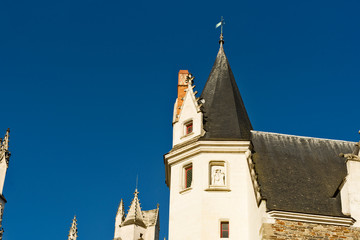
208	147
311	218
193	148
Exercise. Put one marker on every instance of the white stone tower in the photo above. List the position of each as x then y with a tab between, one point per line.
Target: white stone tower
211	190
137	224
4	164
73	233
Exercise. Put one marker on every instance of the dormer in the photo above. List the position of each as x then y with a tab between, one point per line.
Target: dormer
187	119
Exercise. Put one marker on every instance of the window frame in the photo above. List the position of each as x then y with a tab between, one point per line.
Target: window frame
186	169
220	163
189	128
187	124
224	230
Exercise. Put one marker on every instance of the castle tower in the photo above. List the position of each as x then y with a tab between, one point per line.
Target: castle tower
137	224
73	233
4	164
207	170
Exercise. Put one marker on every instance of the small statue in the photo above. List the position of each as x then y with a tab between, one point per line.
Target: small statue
218	178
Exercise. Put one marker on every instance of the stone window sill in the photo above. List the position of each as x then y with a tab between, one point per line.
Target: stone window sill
185	190
218	188
187	135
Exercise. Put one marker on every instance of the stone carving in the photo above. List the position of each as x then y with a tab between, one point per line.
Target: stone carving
218	176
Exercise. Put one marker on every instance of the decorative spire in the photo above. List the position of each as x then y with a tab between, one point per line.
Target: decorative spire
73	230
121	212
134	215
4	143
119	219
4	147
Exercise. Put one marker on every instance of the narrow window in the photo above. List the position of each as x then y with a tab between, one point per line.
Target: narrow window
188	127
188	176
224	230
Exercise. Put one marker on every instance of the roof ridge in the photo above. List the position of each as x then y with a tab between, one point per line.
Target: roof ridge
291	135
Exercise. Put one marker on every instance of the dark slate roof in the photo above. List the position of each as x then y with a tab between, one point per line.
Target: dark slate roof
300	174
225	116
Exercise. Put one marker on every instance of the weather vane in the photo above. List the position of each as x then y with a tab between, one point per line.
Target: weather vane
221	24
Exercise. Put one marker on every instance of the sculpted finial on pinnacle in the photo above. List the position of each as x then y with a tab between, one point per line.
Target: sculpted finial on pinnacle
353	156
190	79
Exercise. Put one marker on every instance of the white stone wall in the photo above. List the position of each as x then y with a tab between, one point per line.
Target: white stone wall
151	233
350	192
131	232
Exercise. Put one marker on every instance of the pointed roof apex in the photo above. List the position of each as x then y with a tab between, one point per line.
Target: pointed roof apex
225	116
134	215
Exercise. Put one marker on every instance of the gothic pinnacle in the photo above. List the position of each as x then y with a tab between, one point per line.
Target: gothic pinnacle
73	230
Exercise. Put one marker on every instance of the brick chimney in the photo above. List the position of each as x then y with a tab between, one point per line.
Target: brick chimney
182	85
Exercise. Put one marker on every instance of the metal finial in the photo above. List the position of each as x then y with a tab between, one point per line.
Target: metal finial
221	24
137	179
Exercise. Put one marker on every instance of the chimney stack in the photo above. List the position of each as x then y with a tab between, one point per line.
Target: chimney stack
182	85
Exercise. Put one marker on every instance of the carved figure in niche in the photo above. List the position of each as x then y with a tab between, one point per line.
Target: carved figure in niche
218	176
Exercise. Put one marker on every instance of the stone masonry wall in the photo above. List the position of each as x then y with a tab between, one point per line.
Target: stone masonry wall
300	230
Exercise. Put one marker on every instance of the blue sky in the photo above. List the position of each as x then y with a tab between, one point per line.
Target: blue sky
88	87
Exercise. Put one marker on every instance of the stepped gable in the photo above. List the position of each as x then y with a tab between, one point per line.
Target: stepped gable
300	174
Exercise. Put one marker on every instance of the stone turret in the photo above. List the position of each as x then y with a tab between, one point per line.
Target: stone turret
137	224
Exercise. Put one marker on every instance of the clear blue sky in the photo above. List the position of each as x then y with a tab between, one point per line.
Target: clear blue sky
88	87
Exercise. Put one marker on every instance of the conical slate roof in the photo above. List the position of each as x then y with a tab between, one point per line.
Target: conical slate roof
225	116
